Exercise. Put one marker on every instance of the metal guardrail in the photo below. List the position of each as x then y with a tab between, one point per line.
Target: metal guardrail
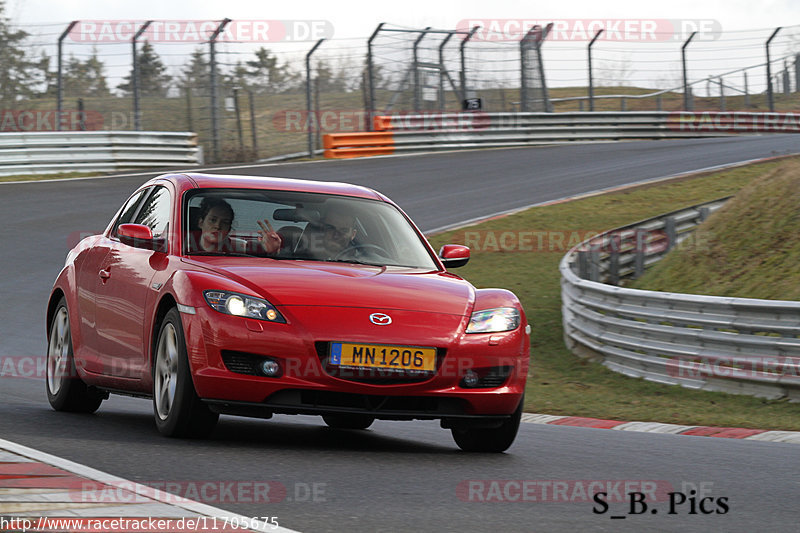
448	131
735	345
50	152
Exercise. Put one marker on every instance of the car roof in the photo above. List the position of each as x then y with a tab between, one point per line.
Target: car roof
193	180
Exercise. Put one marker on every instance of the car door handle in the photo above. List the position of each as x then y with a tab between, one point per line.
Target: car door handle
105	274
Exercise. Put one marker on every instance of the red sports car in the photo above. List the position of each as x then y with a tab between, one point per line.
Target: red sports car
254	296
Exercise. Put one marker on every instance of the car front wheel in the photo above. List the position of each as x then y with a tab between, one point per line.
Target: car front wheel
65	390
178	410
495	440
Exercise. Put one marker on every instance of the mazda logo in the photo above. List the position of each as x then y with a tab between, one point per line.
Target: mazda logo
380	319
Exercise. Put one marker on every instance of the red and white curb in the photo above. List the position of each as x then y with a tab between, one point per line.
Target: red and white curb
792	437
35	485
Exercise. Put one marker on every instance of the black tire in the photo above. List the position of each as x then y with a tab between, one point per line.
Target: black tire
348	421
65	390
178	410
490	440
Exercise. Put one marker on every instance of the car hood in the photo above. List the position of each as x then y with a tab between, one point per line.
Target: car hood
314	283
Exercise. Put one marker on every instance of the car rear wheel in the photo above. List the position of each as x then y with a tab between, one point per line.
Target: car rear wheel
348	421
65	390
179	412
494	440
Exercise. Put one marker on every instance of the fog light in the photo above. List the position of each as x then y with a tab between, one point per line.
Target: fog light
470	379
270	368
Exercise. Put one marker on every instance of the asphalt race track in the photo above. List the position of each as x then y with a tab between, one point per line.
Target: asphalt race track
403	475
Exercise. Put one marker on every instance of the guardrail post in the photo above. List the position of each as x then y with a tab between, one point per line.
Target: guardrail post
137	113
623	104
212	62
659	103
371	78
463	74
688	105
60	75
770	97
704	212
594	265
309	109
591	78
416	68
583	264
672	233
638	257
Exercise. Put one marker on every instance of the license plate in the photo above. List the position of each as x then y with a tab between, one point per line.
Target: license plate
383	356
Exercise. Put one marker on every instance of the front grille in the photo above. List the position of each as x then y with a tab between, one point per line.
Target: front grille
375	376
366	403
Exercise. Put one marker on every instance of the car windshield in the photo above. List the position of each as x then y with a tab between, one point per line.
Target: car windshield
310	226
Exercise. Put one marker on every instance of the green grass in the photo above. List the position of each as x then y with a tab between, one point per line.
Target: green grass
563	384
750	248
41	177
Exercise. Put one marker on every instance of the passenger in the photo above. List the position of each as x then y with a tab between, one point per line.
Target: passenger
214	226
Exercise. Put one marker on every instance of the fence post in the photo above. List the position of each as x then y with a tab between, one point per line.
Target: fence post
309	109
60	75
787	84
746	91
441	70
688	105
797	73
212	62
371	78
81	116
416	68
253	123
189	122
770	97
137	118
591	78
463	74
239	132
672	233
721	94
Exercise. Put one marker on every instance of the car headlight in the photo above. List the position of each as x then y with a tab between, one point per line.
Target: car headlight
494	320
235	304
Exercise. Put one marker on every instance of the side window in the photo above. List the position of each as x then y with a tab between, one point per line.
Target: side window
129	209
155	212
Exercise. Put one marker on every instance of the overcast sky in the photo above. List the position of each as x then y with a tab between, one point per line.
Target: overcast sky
358	18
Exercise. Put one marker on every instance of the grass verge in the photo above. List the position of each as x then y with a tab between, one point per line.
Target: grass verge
44	177
521	252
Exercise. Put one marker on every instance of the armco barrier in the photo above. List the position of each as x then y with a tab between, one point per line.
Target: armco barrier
735	345
347	145
449	131
102	151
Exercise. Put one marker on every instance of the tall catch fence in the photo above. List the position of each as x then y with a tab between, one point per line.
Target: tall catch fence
258	89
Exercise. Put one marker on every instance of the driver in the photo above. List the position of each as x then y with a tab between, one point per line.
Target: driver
334	236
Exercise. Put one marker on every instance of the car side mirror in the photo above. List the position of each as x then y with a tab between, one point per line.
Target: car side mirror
140	236
454	255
